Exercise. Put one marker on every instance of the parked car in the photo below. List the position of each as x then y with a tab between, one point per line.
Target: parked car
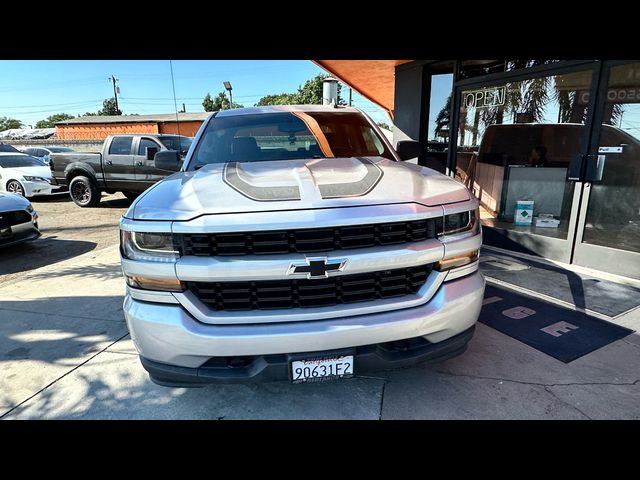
4	147
294	243
24	175
18	220
43	153
125	164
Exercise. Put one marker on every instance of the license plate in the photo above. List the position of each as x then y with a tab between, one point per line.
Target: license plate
319	369
6	232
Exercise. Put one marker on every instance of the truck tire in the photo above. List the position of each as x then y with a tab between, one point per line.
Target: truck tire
84	192
131	195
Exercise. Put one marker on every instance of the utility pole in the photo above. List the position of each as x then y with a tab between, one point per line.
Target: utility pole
350	92
115	89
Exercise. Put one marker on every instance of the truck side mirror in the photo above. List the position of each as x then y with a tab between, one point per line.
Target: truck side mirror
151	152
408	149
168	160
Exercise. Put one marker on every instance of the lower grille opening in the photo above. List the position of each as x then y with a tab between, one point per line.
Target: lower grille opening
305	293
9	219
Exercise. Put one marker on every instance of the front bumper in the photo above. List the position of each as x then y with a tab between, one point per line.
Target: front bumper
367	358
36	188
23	232
167	334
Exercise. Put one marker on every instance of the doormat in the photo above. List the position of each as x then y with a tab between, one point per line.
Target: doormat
583	291
561	333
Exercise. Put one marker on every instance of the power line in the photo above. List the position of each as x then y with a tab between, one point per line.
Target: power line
70	104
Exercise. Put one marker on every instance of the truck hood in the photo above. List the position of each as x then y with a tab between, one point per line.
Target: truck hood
294	185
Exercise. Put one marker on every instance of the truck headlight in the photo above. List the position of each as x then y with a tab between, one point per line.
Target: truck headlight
157	284
460	225
150	247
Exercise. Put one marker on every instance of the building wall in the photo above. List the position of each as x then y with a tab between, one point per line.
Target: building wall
100	131
408	102
188	129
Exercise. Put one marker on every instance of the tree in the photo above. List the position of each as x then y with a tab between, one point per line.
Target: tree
51	120
278	99
308	94
109	107
7	123
384	125
217	103
442	120
311	91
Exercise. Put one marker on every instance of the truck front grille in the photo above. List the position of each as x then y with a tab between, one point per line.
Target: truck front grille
304	293
307	240
16	217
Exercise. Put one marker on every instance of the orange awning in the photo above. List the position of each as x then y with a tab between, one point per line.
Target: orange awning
373	79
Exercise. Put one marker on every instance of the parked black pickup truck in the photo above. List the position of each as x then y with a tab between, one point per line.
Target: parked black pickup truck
126	164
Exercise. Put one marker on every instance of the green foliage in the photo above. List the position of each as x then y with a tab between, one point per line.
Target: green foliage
384	125
109	107
7	123
217	103
278	99
51	120
308	94
443	118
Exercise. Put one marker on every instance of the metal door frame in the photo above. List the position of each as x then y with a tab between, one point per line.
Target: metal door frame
610	259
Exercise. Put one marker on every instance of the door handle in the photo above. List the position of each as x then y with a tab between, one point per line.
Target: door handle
139	163
109	162
595	168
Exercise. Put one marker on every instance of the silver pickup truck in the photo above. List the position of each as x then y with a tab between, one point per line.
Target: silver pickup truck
295	243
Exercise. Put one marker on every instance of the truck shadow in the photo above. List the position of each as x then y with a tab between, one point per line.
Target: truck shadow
112	202
62	197
42	252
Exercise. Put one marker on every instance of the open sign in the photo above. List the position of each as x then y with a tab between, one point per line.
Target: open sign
484	98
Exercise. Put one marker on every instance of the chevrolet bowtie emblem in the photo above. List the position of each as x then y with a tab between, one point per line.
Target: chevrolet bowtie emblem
317	267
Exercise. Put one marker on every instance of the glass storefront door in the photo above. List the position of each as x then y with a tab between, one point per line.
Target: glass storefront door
608	229
519	146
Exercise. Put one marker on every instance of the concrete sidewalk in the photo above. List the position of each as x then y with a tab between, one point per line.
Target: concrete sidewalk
65	353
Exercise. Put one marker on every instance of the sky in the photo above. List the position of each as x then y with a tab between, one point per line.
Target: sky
31	90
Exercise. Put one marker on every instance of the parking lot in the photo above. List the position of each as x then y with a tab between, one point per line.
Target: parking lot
67	232
65	353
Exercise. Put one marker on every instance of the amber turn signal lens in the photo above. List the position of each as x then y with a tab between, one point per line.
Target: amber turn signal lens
458	261
159	284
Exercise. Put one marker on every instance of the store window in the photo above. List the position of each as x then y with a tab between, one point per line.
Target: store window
477	68
439	122
515	143
613	213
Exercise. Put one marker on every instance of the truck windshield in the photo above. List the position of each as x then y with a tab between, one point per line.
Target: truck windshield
287	136
181	144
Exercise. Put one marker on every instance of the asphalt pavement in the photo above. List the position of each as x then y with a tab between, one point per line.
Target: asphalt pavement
67	231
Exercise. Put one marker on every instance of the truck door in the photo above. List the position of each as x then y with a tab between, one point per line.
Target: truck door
119	172
145	170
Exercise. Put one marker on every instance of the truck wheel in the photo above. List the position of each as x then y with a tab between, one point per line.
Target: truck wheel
84	192
131	195
14	186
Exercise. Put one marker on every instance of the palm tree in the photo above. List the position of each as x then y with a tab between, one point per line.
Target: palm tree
443	117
